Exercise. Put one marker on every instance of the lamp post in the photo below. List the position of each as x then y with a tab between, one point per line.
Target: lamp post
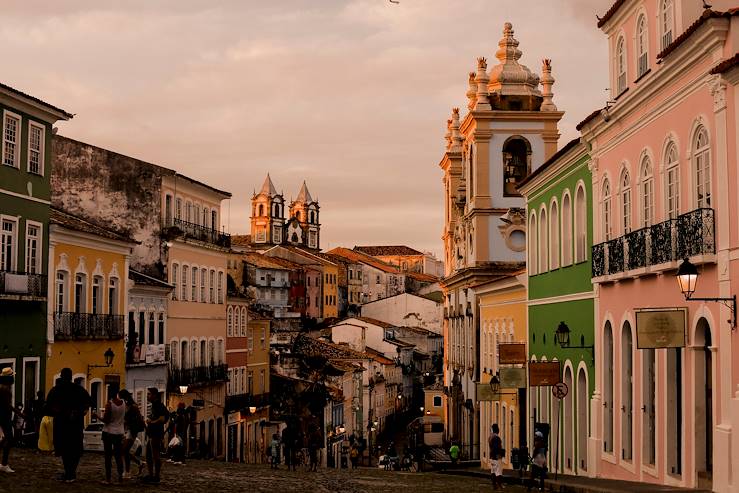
562	336
108	357
687	279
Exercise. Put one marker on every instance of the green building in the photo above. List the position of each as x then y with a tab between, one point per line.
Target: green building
559	197
25	171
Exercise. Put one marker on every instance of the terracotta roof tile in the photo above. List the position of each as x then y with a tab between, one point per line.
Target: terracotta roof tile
69	221
143	280
419	276
726	65
551	160
588	118
309	346
241	240
707	14
262	261
387	250
374	321
610	12
359	257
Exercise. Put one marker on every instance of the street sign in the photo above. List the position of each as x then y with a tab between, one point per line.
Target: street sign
512	378
512	353
560	390
544	373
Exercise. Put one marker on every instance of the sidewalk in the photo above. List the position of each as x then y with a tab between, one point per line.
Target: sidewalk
578	484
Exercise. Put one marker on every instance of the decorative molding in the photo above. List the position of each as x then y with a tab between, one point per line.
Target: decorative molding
717	86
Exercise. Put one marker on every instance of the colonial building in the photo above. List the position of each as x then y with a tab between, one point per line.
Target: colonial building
378	279
86	331
664	180
559	200
406	259
407	309
270	225
510	128
24	236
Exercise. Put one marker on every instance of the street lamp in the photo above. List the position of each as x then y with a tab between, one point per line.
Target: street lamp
108	357
687	279
562	336
252	409
495	384
422	408
183	389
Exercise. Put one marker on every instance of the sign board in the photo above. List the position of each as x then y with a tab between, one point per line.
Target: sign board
512	378
660	328
560	390
485	393
512	353
198	403
544	373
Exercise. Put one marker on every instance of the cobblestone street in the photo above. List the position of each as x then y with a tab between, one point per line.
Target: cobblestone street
36	472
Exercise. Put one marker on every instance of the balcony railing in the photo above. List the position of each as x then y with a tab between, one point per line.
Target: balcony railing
202	233
197	376
239	402
72	325
688	235
22	284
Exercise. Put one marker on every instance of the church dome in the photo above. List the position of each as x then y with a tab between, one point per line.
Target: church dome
510	78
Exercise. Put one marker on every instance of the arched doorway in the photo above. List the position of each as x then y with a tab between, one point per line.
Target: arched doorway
582	420
608	388
648	408
703	402
568	436
627	392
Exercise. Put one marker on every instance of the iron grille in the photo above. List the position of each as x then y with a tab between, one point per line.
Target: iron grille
662	242
599	259
202	233
197	376
72	325
636	247
695	233
615	255
22	284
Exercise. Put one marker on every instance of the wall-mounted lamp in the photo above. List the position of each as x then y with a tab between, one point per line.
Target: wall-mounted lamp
687	278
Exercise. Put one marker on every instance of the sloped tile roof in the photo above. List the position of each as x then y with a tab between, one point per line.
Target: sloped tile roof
707	14
610	12
144	280
22	94
69	221
726	65
262	261
386	250
359	257
313	347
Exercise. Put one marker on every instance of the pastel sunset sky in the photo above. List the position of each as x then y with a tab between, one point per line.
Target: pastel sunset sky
350	95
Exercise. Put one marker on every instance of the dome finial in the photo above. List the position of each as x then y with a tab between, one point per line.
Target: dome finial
482	79
456	136
472	91
510	77
547	81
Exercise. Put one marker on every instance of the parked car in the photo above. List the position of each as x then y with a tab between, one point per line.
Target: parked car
92	439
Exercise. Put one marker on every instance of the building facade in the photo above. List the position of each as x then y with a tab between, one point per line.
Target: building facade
510	128
405	258
24	236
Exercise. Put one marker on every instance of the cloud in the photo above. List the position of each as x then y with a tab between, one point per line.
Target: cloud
350	95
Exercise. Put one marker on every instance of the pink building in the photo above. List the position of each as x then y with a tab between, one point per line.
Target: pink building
665	187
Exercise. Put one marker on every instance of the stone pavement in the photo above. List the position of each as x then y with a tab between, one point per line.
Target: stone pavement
36	472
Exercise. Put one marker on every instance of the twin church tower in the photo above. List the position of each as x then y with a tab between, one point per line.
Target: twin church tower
270	226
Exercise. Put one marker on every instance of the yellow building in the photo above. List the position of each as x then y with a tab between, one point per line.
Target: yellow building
503	309
88	267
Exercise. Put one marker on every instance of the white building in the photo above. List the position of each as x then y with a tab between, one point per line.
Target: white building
407	310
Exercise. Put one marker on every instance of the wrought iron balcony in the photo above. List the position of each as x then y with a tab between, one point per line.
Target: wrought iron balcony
689	235
75	326
241	402
23	285
198	375
198	232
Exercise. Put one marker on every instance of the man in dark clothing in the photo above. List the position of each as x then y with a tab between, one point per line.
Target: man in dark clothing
315	443
155	422
68	403
181	423
496	454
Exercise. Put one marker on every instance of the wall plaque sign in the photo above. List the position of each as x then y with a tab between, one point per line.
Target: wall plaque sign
544	373
512	353
512	378
660	328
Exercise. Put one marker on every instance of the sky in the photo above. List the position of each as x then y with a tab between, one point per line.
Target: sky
351	96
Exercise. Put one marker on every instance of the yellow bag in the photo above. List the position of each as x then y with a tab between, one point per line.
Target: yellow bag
46	434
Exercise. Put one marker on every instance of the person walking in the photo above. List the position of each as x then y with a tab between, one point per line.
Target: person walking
113	430
315	443
7	378
68	404
454	453
158	417
181	424
288	447
496	454
133	424
539	461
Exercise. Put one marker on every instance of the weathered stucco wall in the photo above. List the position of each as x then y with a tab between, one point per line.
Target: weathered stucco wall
113	190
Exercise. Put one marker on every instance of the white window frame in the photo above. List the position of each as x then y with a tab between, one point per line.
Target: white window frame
97	298
607	209
38	269
533	244
114	286
702	174
64	282
175	272
646	191
41	151
672	180
194	269
642	45
543	241
229	321
14	241
620	65
625	201
185	287
666	22
567	234
554	239
17	154
581	225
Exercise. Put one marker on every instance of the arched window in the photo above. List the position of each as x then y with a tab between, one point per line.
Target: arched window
620	65
543	241
533	246
608	388
185	280
185	355
194	284
229	322
581	229
261	209
606	211
173	346
566	230
702	167
672	180
627	392
625	202
195	361
642	38
666	17
516	156
647	192
243	322
553	236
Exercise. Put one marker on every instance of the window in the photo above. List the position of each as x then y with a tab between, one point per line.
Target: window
261	235
97	299
173	281
533	245
516	154
566	230
203	279
702	167
620	65
213	220
672	177
581	229
625	202
229	322
243	323
206	217
553	236
249	386
250	339
35	148
647	192
7	244
606	211
196	214
277	234
543	240
33	245
178	208
608	394
10	139
378	279
152	330
80	303
437	401
185	354
212	287
185	280
666	16
61	292
261	381
220	287
312	239
194	284
188	211
113	296
642	38
161	329
168	210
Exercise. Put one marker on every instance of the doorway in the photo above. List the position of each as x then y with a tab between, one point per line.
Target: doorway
703	402
582	419
568	435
